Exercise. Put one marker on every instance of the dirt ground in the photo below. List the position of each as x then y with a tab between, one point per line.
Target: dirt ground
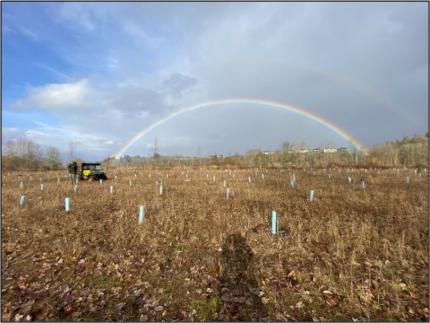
351	254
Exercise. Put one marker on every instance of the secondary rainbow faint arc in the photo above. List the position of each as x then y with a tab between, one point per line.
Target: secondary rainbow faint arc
284	106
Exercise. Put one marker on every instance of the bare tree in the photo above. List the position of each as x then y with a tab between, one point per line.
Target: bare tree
72	146
9	149
53	158
23	153
286	146
155	148
329	144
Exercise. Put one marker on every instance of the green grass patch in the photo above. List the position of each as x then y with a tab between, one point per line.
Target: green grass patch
207	310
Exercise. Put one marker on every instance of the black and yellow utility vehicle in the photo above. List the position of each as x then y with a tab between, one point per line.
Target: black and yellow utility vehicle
92	171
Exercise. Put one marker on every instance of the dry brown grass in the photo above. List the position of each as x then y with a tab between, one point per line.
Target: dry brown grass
349	255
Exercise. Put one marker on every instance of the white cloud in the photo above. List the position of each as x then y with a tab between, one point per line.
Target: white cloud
87	144
149	59
12	133
35	133
56	96
179	83
139	35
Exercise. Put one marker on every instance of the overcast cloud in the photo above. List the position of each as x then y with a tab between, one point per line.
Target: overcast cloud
100	72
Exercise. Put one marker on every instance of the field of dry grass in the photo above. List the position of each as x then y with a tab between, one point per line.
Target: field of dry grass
351	254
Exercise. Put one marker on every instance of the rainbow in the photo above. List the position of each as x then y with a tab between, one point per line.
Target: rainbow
362	90
288	107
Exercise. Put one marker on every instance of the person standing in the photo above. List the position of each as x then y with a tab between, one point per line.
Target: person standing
70	168
75	172
73	169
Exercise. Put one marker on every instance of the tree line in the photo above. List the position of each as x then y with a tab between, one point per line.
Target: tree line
24	154
408	152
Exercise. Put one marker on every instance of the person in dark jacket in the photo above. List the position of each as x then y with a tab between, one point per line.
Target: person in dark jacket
73	170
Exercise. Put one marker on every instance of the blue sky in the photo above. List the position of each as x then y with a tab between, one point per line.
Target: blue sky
95	74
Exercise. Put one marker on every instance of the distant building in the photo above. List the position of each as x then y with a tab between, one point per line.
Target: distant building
303	151
316	149
267	152
330	150
344	149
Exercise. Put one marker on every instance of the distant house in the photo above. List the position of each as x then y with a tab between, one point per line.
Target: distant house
267	152
344	149
316	149
330	150
303	151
